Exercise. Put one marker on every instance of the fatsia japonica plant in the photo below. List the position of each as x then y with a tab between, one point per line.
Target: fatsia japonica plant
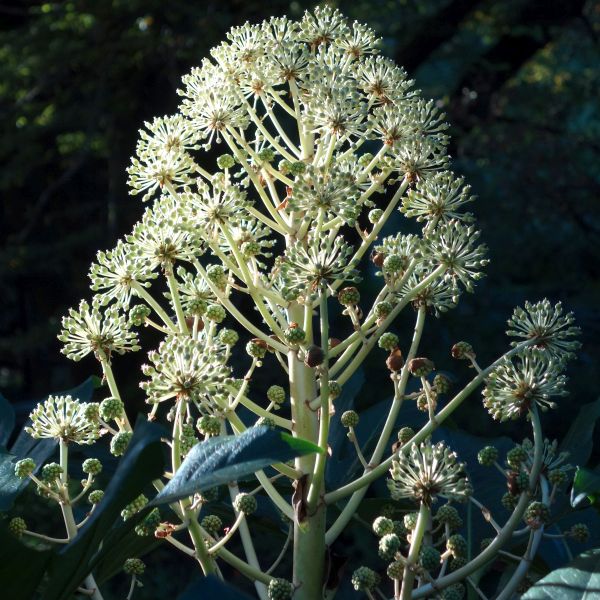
319	141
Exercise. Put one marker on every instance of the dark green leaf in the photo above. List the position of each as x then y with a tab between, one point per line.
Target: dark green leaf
7	420
223	459
211	587
578	580
586	484
142	463
578	441
21	567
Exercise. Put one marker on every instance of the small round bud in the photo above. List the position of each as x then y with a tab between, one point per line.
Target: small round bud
462	351
349	296
448	515
211	495
516	456
245	503
51	471
454	592
229	337
111	408
420	367
134	566
536	515
364	579
280	589
393	264
383	309
389	544
365	159
395	361
294	334
335	389
149	524
557	477
208	425
395	570
430	558
382	526
276	394
215	313
487	456
374	215
95	496
138	314
314	356
457	562
134	507
256	348
225	161
212	524
579	532
457	545
350	418
92	412
217	274
485	542
405	434
250	248
410	520
284	166
441	384
297	168
24	467
509	501
91	466
17	526
266	155
388	341
119	443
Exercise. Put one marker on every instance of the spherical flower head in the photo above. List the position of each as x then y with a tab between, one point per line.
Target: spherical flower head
24	468
280	589
276	394
521	383
90	329
382	526
350	418
187	368
91	466
112	408
579	532
537	514
551	330
388	341
134	507
364	579
430	558
95	497
448	515
245	503
17	526
63	418
487	456
426	472
134	566
119	443
453	246
389	544
405	434
212	524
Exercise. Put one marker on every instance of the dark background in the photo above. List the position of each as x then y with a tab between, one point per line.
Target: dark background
519	80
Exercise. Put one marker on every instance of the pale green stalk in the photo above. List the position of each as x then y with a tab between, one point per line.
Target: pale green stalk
141	291
173	289
416	539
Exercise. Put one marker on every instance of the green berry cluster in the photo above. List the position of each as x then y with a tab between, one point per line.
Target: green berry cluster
245	503
134	507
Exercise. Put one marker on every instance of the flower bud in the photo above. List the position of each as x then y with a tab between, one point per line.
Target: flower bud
487	456
229	337
314	356
462	351
349	296
294	334
420	367
536	515
350	418
17	526
405	434
388	341
276	394
24	468
280	589
91	466
245	503
383	526
134	566
212	524
256	348
395	361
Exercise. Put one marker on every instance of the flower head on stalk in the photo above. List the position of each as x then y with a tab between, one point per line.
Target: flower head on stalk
189	369
438	297
519	383
305	271
552	330
439	199
114	273
102	332
426	472
453	245
383	81
194	292
251	238
63	418
169	135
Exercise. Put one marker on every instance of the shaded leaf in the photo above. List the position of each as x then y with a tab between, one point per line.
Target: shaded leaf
586	484
579	580
220	460
578	441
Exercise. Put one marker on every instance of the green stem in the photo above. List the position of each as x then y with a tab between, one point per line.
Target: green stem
141	291
413	555
123	422
317	485
172	282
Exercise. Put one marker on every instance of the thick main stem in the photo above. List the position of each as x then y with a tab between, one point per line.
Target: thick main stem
309	528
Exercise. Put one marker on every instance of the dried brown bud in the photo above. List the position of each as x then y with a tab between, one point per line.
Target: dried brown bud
314	356
189	321
333	342
377	258
395	361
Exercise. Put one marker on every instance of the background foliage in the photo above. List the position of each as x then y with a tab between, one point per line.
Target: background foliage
518	79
